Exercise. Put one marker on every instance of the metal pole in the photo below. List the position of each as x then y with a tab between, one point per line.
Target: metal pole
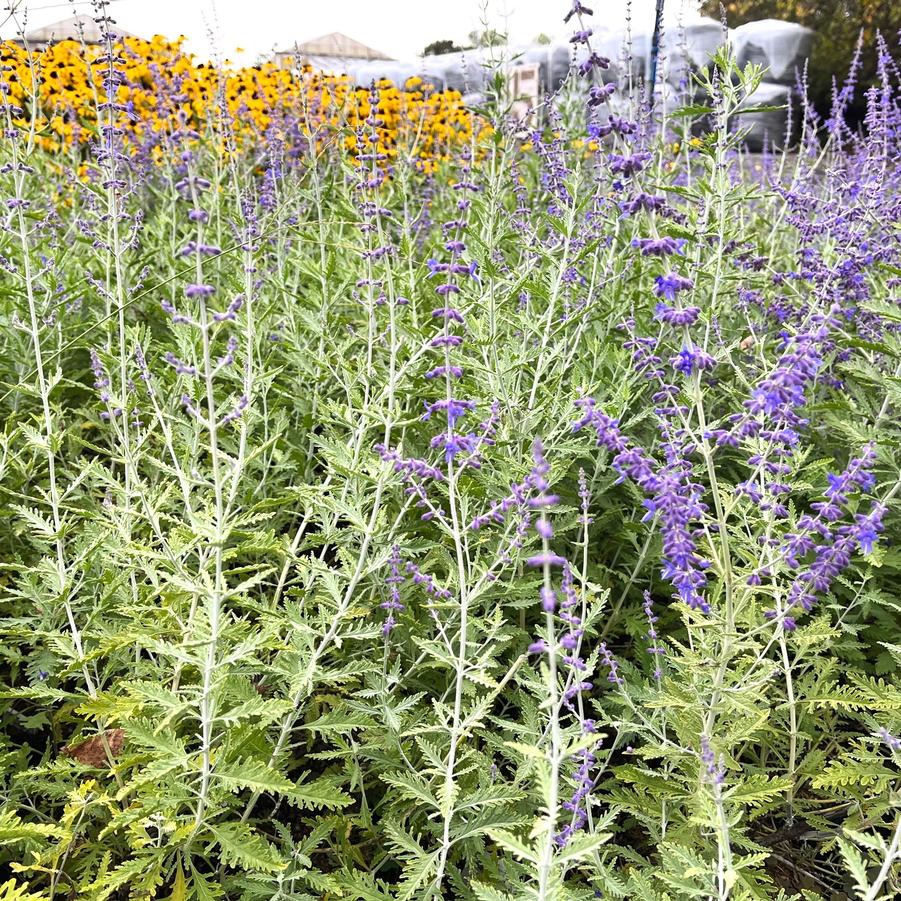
655	51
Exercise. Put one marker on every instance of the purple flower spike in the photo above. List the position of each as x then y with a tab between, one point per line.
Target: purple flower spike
659	247
446	340
628	165
448	314
394	580
593	61
714	772
548	600
674	501
199	290
598	94
453	371
578	9
546	559
690	360
453	407
668	286
581	37
611	664
686	316
654	648
231	313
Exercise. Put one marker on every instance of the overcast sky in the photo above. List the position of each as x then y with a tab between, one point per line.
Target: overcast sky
399	28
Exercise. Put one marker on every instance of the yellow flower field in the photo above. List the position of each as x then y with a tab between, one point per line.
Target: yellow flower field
59	89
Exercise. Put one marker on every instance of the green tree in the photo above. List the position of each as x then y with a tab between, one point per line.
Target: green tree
838	25
436	48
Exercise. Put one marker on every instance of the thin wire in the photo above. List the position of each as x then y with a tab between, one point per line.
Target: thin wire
69	3
13	7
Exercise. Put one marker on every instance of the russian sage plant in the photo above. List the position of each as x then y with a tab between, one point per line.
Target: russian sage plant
506	519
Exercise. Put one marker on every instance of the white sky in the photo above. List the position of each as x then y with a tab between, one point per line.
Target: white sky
399	28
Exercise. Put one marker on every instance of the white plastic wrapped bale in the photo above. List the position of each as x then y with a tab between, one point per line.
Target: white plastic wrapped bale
462	72
360	71
766	128
691	47
475	67
702	38
781	47
470	72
